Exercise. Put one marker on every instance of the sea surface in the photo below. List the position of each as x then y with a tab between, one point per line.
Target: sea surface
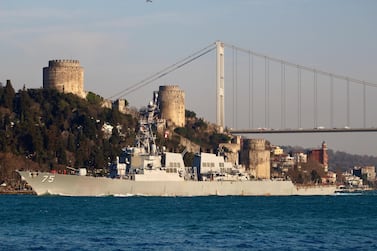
339	222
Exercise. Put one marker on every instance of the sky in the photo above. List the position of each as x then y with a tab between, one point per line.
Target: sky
122	42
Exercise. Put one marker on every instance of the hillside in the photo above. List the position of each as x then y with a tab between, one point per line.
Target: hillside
54	130
42	129
339	160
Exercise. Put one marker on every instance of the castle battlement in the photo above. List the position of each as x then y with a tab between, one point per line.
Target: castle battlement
170	88
64	63
255	144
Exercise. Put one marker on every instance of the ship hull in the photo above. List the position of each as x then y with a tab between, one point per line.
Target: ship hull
73	185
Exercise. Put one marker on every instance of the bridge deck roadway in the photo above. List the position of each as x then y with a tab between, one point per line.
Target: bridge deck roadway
318	130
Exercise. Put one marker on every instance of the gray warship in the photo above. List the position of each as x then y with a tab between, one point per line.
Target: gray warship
147	170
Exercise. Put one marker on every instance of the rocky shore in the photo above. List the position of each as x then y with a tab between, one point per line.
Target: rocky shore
15	191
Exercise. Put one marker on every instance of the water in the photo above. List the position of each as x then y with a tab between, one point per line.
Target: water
198	223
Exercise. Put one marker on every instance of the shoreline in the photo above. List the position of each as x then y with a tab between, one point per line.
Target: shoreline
31	192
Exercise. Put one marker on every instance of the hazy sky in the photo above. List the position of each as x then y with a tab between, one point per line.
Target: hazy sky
122	42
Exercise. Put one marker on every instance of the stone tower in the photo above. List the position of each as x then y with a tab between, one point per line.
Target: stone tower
256	158
64	75
325	157
171	101
320	155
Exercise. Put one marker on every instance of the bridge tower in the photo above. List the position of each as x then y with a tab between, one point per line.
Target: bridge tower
220	114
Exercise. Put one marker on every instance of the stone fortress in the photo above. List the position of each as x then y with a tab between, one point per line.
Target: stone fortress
64	75
253	154
67	76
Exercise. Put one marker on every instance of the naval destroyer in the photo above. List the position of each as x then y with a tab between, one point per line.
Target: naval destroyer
146	170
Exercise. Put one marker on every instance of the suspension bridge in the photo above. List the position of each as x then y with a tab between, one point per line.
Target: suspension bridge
258	93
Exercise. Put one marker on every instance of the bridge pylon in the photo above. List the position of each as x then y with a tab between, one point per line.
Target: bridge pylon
220	113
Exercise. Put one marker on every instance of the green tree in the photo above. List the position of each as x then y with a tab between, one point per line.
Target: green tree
115	117
190	114
71	143
61	154
22	106
37	139
94	98
8	96
314	177
3	141
115	138
217	138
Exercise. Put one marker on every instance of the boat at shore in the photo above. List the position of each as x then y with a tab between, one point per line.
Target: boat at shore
342	189
146	170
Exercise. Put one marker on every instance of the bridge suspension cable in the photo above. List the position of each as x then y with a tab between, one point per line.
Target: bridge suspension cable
332	101
267	92
285	77
315	95
317	83
364	106
234	94
283	95
299	96
164	71
302	67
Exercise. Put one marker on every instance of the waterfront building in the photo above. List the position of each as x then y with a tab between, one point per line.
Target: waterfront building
351	180
330	178
369	172
276	150
300	157
366	172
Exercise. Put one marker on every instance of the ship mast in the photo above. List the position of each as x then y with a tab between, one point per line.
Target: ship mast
145	138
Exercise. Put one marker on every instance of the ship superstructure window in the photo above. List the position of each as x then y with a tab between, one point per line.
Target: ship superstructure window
225	170
208	164
174	164
171	170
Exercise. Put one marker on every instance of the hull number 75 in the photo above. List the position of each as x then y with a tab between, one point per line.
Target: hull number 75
48	178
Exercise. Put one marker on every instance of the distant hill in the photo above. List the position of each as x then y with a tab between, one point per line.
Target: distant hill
339	160
345	161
